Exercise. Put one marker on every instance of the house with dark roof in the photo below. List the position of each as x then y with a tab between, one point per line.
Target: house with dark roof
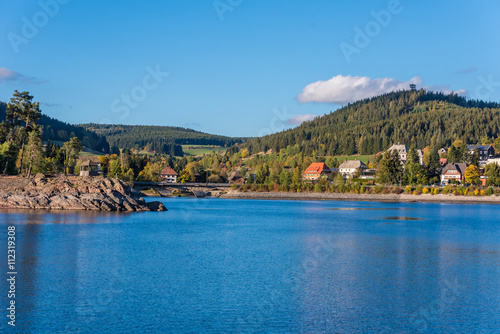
402	151
316	170
485	152
454	173
90	168
236	177
168	175
349	167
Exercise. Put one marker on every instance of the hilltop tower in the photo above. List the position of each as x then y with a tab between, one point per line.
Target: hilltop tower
413	87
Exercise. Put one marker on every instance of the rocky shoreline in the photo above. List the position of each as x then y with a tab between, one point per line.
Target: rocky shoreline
72	193
440	198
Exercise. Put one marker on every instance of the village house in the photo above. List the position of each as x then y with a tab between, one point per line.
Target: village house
349	167
168	175
90	168
402	151
454	172
197	177
485	152
315	171
236	177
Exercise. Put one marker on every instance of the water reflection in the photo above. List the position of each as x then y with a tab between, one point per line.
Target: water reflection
259	266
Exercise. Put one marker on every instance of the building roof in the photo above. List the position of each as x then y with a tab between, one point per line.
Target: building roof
235	175
168	171
479	147
460	167
352	164
317	168
399	148
89	163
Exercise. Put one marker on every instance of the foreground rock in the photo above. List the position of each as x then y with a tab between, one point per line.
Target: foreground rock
72	193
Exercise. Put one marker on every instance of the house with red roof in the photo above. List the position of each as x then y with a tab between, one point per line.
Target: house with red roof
315	171
168	175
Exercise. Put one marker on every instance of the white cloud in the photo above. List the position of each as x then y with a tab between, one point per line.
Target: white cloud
344	89
7	75
300	119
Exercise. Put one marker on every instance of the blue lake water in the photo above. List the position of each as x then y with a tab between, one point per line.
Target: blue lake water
229	266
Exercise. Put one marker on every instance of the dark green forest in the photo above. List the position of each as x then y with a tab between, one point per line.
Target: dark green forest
415	118
55	130
161	139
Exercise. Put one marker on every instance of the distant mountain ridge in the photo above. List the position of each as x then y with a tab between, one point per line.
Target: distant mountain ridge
415	118
156	138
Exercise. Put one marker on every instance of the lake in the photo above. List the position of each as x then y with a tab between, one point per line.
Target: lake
230	266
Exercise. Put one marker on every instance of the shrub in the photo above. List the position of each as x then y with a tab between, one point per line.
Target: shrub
408	189
378	189
425	190
461	190
448	189
489	191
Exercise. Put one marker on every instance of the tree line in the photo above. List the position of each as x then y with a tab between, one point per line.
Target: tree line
417	118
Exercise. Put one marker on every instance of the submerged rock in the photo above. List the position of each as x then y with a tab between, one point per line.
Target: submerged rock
73	193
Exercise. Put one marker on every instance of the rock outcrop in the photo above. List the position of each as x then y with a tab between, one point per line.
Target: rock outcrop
73	193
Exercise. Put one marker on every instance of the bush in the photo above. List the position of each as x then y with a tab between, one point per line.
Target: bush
425	190
448	189
396	190
461	190
378	189
408	189
489	191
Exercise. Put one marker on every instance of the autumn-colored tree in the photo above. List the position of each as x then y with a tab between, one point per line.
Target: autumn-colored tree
245	153
184	176
472	175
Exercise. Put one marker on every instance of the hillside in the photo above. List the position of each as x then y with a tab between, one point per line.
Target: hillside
57	131
415	118
157	138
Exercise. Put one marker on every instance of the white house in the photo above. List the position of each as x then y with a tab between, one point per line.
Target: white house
349	167
168	175
402	151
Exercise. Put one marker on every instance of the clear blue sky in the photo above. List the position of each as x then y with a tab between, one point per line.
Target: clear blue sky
244	69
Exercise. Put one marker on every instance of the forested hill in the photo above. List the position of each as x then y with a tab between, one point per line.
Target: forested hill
55	130
415	118
156	138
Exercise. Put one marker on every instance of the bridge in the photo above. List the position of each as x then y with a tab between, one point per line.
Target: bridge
165	189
